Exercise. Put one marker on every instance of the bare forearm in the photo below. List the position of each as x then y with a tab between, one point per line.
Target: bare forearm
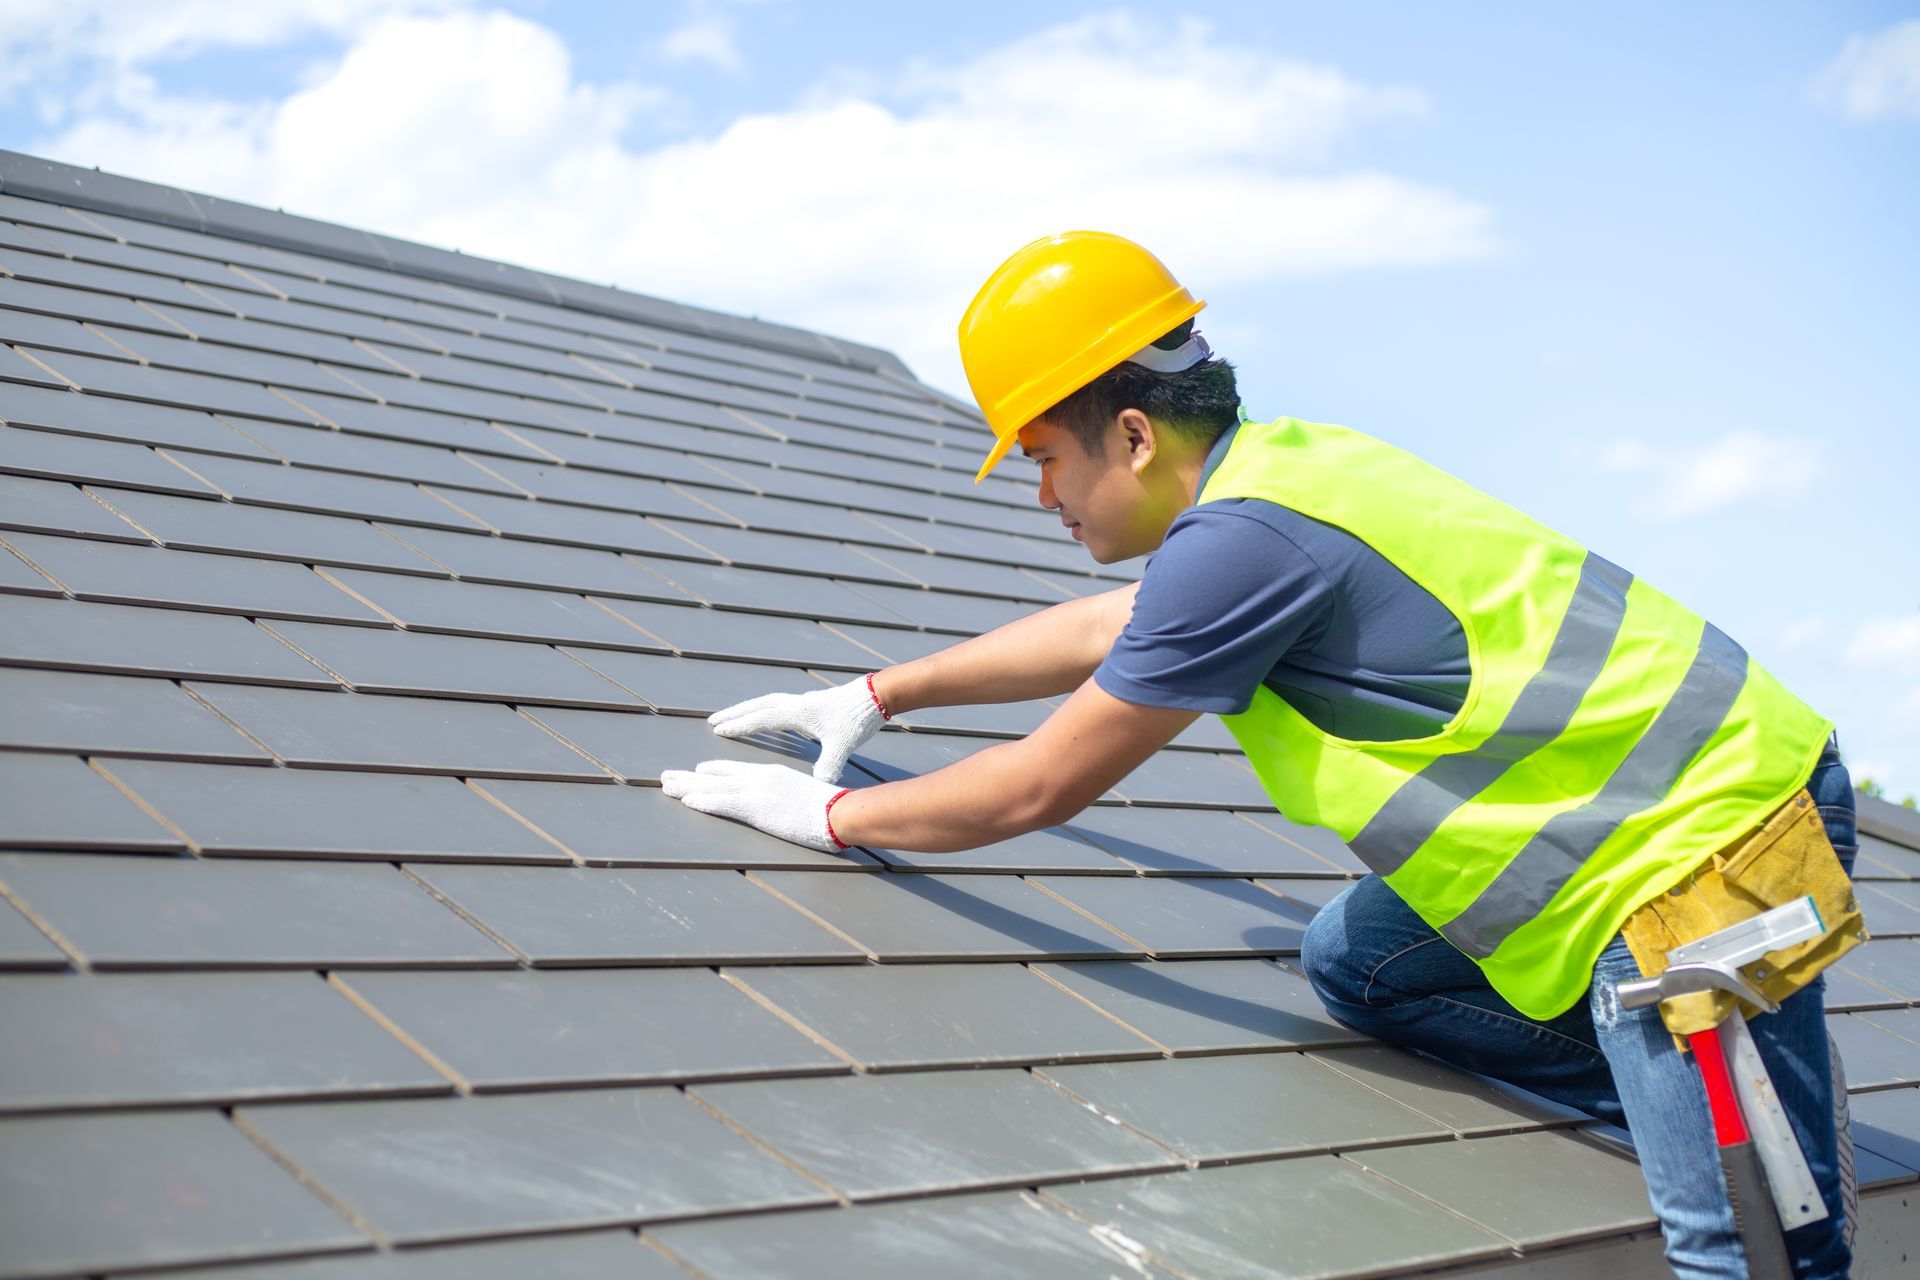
946	810
1039	656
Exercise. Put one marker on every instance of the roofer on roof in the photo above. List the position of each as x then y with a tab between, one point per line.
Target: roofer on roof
1525	743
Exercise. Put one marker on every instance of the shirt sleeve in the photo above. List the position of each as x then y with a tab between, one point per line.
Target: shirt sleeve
1224	599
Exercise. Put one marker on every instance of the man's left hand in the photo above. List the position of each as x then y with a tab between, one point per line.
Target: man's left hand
778	800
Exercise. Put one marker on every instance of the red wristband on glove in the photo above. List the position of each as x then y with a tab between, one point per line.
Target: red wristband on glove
831	801
879	706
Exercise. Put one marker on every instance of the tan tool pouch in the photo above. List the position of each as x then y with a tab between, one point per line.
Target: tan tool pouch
1786	857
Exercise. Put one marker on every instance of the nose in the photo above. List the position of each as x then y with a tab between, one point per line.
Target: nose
1047	498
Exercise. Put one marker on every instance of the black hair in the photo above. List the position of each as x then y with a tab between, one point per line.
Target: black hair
1198	404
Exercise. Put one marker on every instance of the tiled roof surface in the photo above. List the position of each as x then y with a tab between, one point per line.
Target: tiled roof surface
353	596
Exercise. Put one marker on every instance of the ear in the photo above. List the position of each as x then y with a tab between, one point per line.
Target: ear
1136	433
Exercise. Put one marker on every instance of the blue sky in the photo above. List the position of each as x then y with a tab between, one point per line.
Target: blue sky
1645	270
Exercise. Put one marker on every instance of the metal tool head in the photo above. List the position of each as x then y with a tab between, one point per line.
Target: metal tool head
1713	963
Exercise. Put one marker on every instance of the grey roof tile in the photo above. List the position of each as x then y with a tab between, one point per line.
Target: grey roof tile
944	611
1892	964
327	449
1847	991
117	573
169	642
1883	860
1189	916
694	686
1888	1124
1233	1223
82	304
167	386
1532	1188
52	455
408	735
1005	720
900	1017
587	1255
1889	821
237	529
1904	1023
70	413
56	506
22	946
478	609
916	1133
638	748
1469	1105
326	492
908	755
628	458
17	369
1194	779
150	1039
528	1162
157	913
569	525
182	1188
49	269
482	557
1054	850
895	644
57	802
1316	840
786	552
575	916
898	918
642	827
17	577
314	813
250	366
114	715
357	416
786	515
1874	1057
764	591
1220	1110
1195	842
951	1238
453	666
591	1026
1884	914
1207	1006
750	637
213	327
576	486
949	573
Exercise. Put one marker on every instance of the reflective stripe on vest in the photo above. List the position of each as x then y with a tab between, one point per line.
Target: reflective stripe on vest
1608	742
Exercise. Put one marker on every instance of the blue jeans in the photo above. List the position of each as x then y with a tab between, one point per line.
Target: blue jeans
1383	971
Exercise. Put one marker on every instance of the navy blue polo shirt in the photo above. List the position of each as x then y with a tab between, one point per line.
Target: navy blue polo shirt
1246	592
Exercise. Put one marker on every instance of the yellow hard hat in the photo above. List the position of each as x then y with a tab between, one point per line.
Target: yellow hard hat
1055	316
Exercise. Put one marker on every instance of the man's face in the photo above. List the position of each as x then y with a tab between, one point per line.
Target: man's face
1099	494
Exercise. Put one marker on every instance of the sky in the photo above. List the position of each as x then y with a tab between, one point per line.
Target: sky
1647	271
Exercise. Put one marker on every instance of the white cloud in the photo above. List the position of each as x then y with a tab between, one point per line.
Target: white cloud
1690	480
1876	75
872	214
709	38
1801	633
1887	644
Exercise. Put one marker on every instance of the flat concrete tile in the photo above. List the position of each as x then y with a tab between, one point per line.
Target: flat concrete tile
695	686
1218	1110
945	611
516	562
1532	1188
1847	991
785	515
116	573
425	1170
1469	1105
136	1039
763	591
1190	916
1055	850
1890	963
759	549
327	492
22	946
54	456
1318	841
894	756
950	1238
108	418
568	525
326	449
58	506
477	609
190	390
592	1026
570	916
186	524
1005	720
588	1255
17	577
642	827
1887	1123
80	636
1904	1023
1901	919
156	913
57	802
900	918
894	644
1207	1006
1195	842
390	421
1872	1170
576	486
327	814
159	1188
907	1017
116	715
407	735
1194	780
926	1132
1874	1057
1884	860
748	637
587	453
452	666
639	747
951	573
1246	1222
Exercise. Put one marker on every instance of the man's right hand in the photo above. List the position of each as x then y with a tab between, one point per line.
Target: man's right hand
839	719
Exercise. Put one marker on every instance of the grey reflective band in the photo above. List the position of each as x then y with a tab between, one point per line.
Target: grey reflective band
1177	360
1539	715
1560	848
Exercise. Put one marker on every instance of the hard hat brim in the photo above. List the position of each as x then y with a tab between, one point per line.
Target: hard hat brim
1000	447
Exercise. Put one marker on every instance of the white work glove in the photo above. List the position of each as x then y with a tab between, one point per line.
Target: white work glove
839	719
778	800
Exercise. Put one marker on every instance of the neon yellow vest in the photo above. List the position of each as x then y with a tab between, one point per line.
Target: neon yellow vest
1609	740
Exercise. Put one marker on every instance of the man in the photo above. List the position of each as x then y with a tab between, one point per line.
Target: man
1541	758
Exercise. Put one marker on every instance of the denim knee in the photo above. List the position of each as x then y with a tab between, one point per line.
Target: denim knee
1327	958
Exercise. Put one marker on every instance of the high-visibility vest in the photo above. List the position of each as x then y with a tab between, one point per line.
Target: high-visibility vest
1609	741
